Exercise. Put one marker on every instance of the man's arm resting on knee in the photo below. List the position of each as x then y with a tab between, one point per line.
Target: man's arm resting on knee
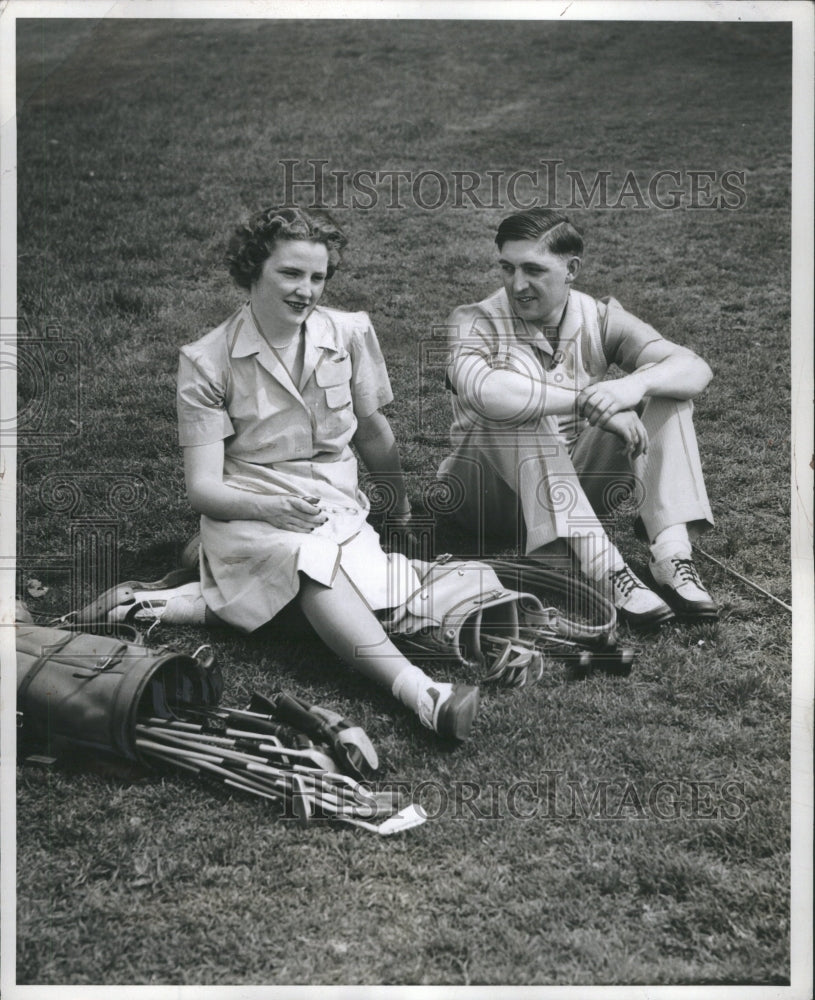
663	369
506	395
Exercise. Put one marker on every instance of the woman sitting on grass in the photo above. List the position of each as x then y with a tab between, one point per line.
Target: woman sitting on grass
268	406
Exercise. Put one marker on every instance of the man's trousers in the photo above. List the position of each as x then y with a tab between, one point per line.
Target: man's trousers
561	491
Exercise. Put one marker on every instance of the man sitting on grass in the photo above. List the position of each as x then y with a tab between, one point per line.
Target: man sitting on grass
538	429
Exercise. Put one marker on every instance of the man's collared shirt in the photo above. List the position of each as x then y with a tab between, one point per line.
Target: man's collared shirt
487	336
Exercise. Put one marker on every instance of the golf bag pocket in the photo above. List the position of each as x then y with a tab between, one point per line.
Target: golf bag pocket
458	604
89	691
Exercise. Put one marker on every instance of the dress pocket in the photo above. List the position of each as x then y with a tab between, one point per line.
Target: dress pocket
337	396
333	372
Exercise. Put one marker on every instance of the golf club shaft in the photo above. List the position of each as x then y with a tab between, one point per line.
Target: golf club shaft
145	744
273	783
743	579
201	746
190	727
168	758
215	749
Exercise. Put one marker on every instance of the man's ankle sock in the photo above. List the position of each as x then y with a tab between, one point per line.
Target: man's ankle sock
597	556
671	541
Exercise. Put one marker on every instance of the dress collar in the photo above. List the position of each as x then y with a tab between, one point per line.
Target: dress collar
320	335
247	339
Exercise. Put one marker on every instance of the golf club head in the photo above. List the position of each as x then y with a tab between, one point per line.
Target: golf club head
313	758
355	746
301	802
321	760
362	814
366	804
326	715
405	819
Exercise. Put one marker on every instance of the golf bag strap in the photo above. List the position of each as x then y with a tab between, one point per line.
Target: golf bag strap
88	690
597	618
114	630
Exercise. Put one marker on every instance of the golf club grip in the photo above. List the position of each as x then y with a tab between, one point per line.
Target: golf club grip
258	725
292	712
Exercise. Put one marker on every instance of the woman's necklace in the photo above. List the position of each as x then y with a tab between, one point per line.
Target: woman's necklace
291	356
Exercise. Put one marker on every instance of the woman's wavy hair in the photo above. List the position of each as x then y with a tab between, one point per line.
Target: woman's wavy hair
253	241
559	235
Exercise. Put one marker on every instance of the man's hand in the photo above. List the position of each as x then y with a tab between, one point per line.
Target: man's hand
601	401
631	431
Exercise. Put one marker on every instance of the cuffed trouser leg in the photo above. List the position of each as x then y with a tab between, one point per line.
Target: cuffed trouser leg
667	482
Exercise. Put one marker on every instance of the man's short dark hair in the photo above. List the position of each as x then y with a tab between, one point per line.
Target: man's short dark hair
253	242
559	235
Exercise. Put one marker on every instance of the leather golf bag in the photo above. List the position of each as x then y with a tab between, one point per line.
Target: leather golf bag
462	609
501	617
84	690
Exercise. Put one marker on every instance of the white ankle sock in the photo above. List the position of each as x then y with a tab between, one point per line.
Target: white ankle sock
412	688
671	541
597	556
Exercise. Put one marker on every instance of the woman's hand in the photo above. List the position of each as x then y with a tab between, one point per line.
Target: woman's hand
209	495
292	513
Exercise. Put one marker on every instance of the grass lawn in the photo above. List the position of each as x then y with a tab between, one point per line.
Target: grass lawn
616	830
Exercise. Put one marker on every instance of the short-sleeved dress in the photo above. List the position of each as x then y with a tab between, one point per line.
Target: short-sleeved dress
290	439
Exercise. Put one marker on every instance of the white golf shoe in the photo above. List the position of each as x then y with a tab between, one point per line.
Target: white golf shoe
174	606
636	605
679	583
449	709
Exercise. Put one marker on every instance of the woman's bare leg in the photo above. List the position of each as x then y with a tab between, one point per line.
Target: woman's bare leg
346	625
